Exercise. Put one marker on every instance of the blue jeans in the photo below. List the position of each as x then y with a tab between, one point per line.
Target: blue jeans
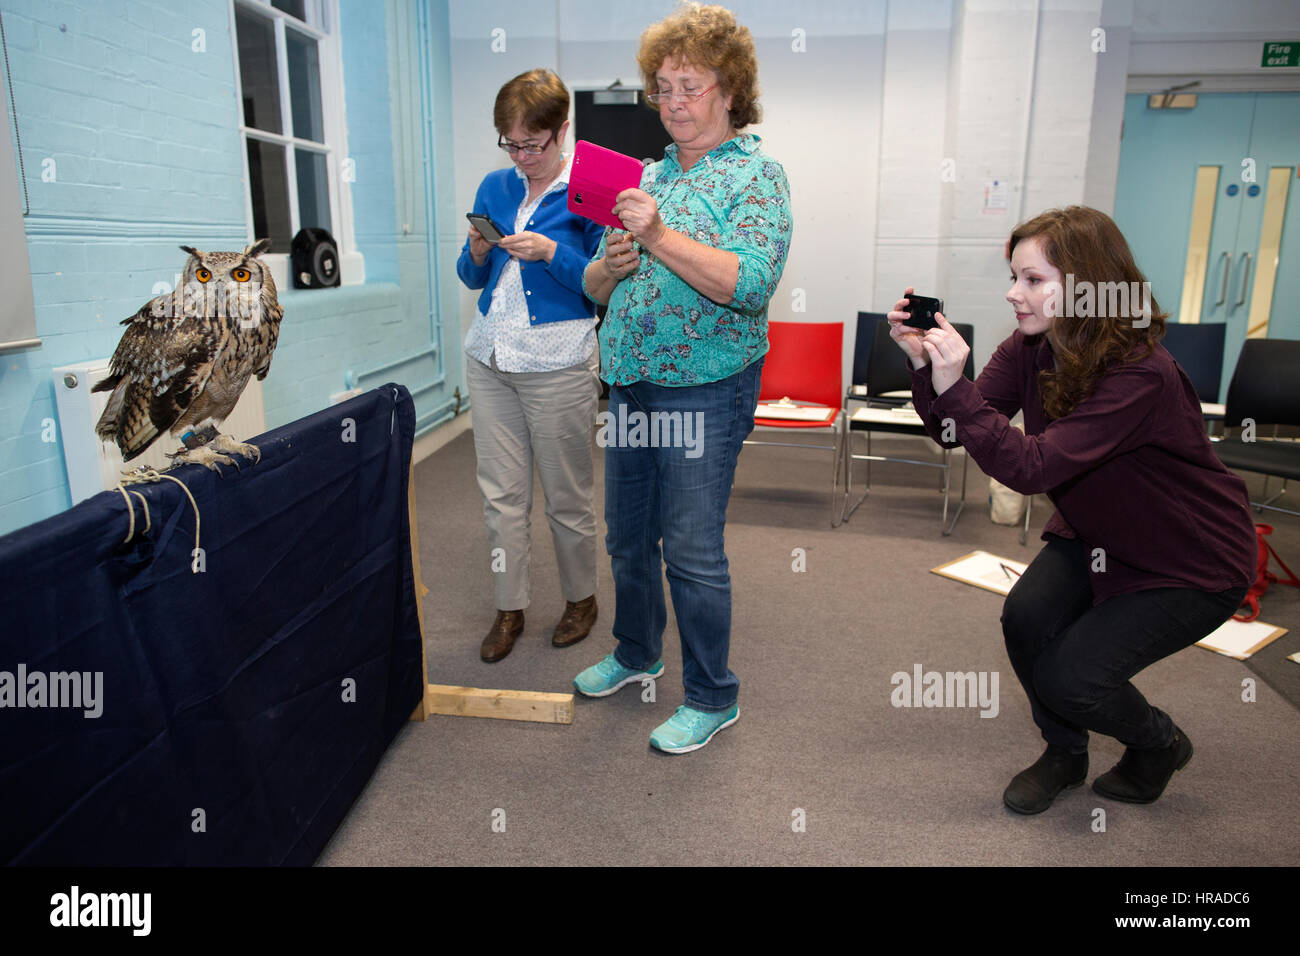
676	495
1075	661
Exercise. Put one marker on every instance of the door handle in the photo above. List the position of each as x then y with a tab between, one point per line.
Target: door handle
1227	267
1245	280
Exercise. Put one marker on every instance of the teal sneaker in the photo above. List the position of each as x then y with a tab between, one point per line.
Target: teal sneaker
601	680
690	729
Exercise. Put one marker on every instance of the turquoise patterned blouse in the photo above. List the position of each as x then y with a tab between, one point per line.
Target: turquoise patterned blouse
658	328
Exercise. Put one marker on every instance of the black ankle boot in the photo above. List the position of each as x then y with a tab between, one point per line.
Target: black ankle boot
1142	775
1033	790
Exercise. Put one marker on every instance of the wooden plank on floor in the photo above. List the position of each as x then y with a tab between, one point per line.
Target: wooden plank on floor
506	704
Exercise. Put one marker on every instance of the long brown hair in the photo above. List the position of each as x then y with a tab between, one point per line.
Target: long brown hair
1085	244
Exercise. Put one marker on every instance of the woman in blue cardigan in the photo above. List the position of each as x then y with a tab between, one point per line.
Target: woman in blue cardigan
530	361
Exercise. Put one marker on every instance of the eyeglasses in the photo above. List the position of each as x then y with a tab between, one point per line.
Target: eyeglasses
663	96
529	148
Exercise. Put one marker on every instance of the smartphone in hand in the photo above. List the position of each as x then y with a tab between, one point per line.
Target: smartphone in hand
922	308
488	229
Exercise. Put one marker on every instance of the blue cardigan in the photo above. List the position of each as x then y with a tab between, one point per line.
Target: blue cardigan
554	289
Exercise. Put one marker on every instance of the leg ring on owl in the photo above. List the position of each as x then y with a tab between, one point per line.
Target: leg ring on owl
197	439
197	450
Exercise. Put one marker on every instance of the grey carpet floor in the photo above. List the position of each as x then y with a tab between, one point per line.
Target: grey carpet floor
818	740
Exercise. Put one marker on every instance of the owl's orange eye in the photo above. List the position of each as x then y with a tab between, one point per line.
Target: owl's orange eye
203	275
241	275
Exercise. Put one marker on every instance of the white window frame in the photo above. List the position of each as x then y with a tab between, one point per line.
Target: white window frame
322	25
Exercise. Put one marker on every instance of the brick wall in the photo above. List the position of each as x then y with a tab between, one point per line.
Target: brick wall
131	117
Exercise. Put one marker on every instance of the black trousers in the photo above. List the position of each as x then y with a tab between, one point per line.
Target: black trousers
1075	661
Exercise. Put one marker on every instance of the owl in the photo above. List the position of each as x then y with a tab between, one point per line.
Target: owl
186	356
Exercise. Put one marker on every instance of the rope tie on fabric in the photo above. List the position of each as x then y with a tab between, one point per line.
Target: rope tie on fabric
130	531
144	475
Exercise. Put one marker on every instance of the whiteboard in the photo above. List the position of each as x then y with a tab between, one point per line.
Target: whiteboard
17	310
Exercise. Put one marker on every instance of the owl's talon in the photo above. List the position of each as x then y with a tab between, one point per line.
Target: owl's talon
203	455
229	445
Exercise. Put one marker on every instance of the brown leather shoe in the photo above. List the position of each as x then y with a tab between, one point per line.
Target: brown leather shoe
576	622
499	641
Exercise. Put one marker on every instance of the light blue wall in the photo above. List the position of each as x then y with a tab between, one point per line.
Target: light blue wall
143	134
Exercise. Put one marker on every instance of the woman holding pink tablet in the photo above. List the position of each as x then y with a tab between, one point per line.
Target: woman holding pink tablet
687	286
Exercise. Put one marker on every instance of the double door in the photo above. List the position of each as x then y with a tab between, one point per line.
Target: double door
1208	201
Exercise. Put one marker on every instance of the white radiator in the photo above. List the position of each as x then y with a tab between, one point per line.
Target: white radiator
94	465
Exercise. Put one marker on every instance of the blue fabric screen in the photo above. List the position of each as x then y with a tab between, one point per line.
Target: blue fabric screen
226	733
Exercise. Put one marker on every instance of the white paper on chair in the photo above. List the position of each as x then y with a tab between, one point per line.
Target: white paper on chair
887	416
798	413
984	570
1240	639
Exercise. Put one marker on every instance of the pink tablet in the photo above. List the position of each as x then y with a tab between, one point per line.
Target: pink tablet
598	176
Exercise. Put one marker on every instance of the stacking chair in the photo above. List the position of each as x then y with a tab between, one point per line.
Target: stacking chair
1265	389
1198	348
800	389
882	397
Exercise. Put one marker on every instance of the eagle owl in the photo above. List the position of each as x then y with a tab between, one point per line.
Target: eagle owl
186	356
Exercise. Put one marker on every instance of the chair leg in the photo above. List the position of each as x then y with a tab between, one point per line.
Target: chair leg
868	459
837	470
848	476
943	486
949	525
1261	505
1029	509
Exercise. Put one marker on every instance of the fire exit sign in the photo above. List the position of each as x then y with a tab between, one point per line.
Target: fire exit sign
1281	54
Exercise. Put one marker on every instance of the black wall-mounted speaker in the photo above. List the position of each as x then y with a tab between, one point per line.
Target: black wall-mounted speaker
314	259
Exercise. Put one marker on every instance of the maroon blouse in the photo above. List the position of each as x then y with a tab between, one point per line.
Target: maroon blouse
1130	469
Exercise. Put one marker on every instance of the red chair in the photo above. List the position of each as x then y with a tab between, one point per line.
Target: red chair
802	376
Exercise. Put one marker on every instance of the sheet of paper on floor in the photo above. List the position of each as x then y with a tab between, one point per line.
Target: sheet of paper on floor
1240	639
984	570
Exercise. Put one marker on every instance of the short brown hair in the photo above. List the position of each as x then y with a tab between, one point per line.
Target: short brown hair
706	38
538	100
1086	243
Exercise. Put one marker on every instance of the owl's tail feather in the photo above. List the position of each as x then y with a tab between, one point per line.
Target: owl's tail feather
134	431
107	426
128	453
137	433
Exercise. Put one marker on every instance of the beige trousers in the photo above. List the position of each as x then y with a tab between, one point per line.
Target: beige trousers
546	419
